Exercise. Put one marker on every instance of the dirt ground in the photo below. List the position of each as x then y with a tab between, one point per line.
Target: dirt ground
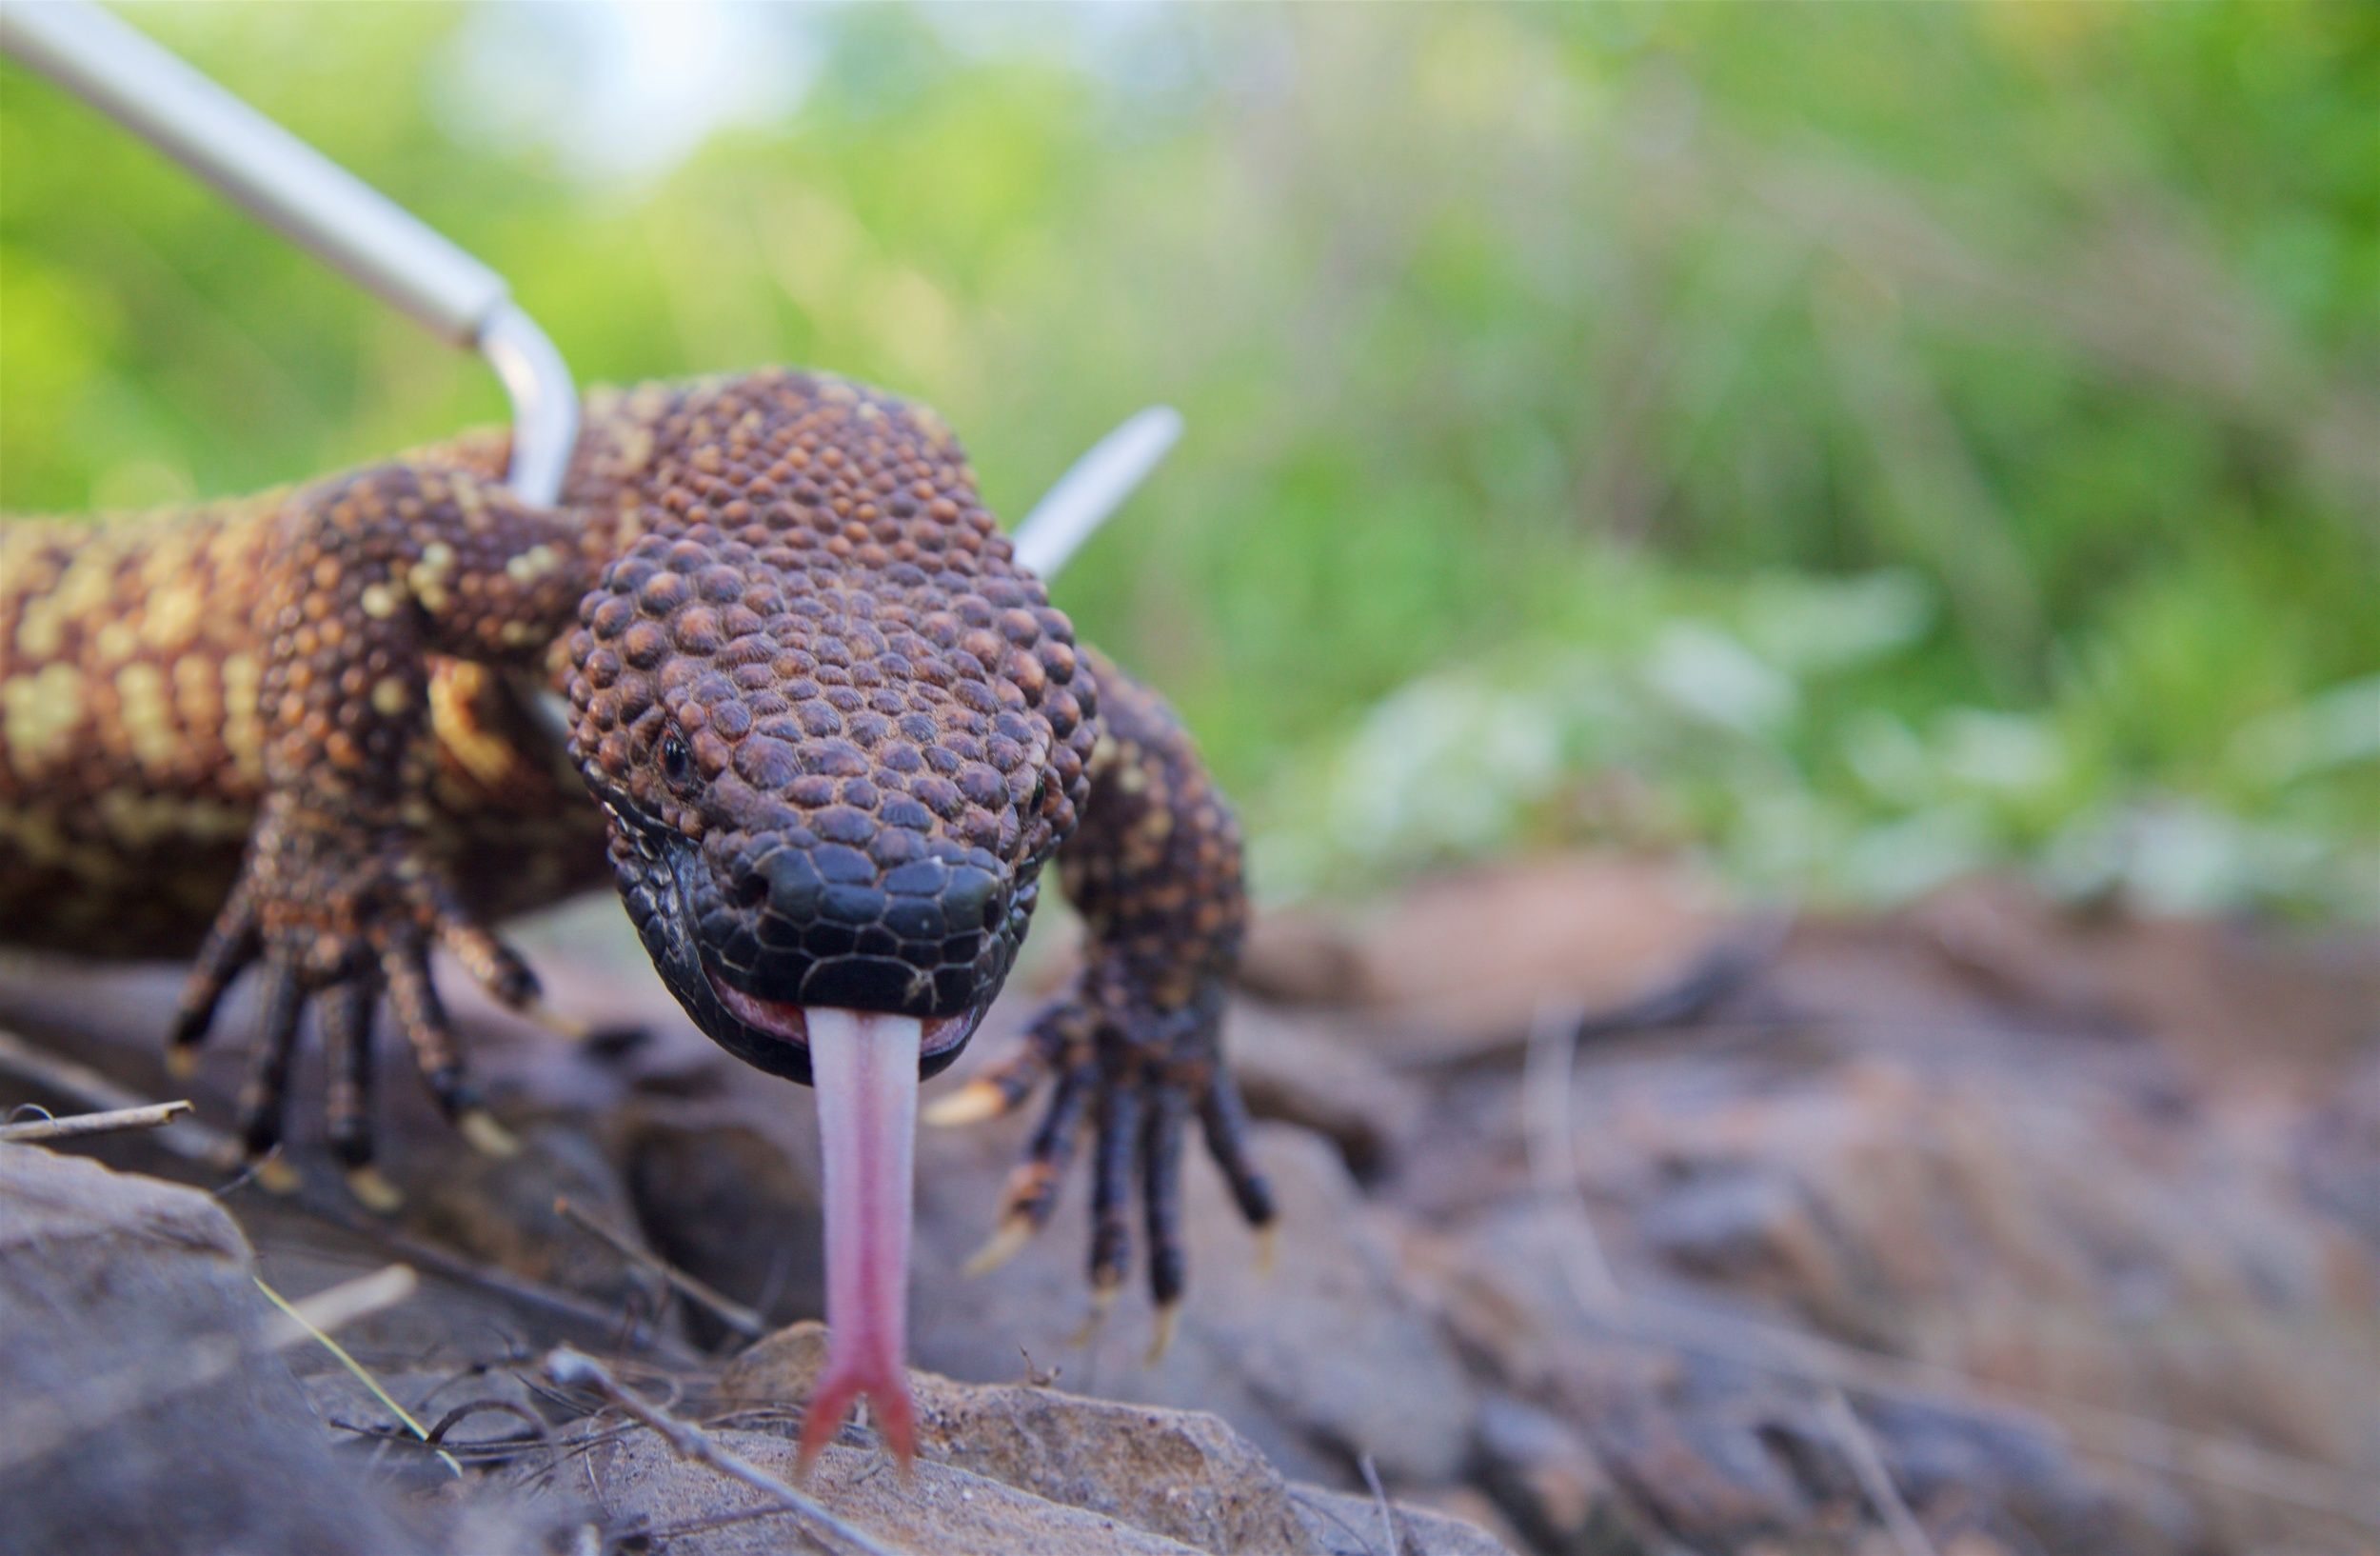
1619	1218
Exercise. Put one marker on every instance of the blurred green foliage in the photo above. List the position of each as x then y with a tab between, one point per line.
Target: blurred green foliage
1871	442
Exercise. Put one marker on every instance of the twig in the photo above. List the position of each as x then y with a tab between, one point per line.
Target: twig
585	1319
81	1125
185	1137
1874	1479
538	1432
725	1309
36	1426
357	1370
1545	1087
209	1149
576	1369
1379	1500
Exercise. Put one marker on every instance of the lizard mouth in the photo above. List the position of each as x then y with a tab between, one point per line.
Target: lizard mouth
784	1021
661	881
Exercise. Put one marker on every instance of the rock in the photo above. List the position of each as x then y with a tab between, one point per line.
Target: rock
143	1408
2023	1156
1329	1357
1732	1223
646	1490
1343	1524
505	1210
2336	1152
1177	1474
2196	984
1960	1210
1545	1475
1466	958
1326	1358
1462	1503
722	1197
1326	1076
2021	1471
1702	1467
1172	1475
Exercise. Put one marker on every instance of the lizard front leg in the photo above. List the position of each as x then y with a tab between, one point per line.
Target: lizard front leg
340	897
1134	1049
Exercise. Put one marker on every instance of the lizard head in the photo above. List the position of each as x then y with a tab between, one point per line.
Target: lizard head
837	735
836	732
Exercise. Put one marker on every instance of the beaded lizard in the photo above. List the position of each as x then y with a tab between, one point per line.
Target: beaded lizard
831	731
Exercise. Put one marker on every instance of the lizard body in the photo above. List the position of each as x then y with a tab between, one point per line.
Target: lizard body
132	740
824	737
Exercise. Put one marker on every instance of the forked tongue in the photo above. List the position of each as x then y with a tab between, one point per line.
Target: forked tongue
865	1066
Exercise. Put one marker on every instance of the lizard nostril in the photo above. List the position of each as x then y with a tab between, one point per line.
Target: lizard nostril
970	900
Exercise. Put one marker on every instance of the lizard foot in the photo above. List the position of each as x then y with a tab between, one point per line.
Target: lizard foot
342	918
1136	1077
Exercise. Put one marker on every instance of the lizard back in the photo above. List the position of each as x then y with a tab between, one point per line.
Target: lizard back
132	741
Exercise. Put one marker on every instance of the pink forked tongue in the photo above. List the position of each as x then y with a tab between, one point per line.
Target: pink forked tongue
865	1069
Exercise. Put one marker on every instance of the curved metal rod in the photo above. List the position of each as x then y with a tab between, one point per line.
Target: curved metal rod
356	228
545	402
1093	487
314	201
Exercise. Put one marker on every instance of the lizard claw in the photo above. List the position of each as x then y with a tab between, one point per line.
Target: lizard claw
487	1136
1051	1041
1135	1078
339	916
561	1022
374	1192
978	1102
1102	1298
1161	1340
1004	1244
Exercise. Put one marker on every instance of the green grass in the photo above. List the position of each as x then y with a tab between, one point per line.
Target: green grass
1999	388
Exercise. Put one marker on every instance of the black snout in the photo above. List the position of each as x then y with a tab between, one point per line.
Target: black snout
824	925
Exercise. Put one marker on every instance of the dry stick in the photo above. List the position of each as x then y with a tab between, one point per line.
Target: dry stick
729	1312
1812	1359
185	1138
1551	1142
599	1325
1379	1500
82	1126
576	1369
36	1426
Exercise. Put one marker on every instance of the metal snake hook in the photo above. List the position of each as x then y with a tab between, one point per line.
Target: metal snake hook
390	252
317	204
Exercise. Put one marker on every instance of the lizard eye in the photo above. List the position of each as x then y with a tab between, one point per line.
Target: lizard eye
676	762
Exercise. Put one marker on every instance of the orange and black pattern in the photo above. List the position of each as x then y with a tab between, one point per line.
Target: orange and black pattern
833	734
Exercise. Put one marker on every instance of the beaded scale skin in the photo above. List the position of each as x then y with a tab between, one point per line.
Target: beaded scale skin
833	733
